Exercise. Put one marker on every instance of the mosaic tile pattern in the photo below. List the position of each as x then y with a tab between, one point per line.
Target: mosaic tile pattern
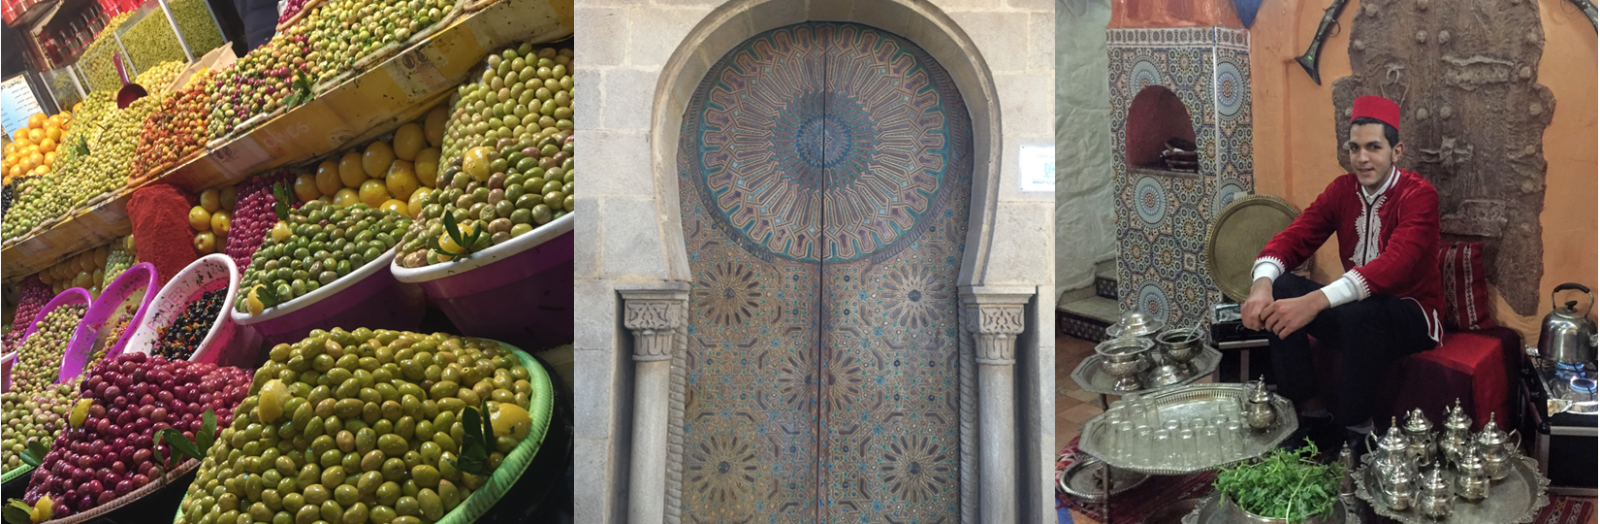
829	167
1162	220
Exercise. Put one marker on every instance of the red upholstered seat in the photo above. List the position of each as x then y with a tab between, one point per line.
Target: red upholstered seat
1478	367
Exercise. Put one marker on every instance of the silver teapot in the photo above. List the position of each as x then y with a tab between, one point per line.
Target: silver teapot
1399	488
1436	496
1472	476
1258	412
1498	449
1393	452
1457	435
1419	437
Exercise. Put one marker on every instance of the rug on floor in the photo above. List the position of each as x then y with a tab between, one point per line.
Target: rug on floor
1137	503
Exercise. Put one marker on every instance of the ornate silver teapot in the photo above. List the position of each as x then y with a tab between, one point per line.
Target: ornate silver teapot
1258	410
1393	451
1436	496
1457	435
1472	476
1498	449
1399	488
1420	438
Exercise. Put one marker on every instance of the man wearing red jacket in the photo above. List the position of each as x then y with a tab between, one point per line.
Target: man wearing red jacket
1386	304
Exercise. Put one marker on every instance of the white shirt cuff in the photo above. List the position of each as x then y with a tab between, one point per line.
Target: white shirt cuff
1341	291
1268	269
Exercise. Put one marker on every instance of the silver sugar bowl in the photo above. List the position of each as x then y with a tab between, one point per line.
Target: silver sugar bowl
1124	358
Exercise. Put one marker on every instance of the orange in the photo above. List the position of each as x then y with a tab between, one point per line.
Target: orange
35	134
36	121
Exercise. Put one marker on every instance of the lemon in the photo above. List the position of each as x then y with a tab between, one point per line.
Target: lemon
414	204
80	411
305	187
346	197
476	162
273	396
427	166
253	302
200	218
376	159
280	231
408	140
395	206
350	171
434	125
510	419
210	200
373	193
401	179
328	181
43	510
228	196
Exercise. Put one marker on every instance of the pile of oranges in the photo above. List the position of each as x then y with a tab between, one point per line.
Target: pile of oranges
33	150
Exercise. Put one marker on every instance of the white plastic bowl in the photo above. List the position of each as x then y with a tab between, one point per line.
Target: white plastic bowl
210	272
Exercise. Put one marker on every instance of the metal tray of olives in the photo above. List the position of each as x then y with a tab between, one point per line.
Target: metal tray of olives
1091	377
1211	512
1514	499
1184	403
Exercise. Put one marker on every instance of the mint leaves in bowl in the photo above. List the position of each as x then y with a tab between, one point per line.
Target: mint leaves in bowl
1284	486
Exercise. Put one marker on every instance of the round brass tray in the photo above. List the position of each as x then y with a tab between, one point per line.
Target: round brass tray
1237	235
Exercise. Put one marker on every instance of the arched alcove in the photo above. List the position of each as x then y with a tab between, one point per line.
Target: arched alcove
1156	117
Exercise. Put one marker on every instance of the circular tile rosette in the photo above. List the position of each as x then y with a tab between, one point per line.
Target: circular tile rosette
1230	89
825	142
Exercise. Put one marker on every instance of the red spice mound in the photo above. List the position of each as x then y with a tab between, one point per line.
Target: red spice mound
160	216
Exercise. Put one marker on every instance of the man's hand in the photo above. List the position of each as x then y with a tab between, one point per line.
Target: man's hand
1289	315
1260	298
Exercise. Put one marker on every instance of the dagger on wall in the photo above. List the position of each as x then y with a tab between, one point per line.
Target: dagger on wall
1330	18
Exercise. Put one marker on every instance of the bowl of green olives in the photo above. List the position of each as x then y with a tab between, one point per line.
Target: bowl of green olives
331	270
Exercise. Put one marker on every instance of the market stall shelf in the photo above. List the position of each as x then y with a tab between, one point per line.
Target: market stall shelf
1180	409
1515	499
370	104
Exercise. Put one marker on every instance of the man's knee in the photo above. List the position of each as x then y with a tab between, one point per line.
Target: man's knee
1287	286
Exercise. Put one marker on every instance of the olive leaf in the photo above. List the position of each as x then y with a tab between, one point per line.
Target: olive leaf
479	434
34	454
301	92
268	296
17	512
182	445
464	241
281	194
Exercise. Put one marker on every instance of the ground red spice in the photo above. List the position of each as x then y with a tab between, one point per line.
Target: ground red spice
160	216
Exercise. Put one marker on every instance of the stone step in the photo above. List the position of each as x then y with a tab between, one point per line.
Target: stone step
1087	318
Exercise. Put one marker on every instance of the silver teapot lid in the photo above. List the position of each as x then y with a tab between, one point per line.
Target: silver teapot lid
1258	394
1393	441
1491	435
1416	422
1472	459
1436	479
1135	324
1458	418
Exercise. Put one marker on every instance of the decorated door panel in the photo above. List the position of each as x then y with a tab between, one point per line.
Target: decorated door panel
826	170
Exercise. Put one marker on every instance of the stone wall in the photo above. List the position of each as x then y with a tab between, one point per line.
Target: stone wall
1085	219
632	235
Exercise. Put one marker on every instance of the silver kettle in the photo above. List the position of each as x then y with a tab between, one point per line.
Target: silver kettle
1567	336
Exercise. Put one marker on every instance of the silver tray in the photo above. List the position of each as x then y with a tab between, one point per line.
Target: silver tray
1183	403
1210	512
1082	480
1515	499
1091	377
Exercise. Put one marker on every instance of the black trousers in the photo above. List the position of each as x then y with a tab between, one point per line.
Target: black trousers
1372	334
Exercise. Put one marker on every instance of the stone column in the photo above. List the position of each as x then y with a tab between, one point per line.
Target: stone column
654	316
995	320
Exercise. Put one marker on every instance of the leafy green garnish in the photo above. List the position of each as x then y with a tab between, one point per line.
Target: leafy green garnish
181	445
1284	484
280	192
300	92
479	433
34	454
466	242
17	512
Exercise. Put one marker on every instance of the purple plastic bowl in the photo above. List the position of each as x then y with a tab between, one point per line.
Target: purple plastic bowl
521	295
72	296
141	276
370	297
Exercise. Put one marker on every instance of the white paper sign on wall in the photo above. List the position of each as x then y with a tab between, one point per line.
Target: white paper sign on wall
17	103
1038	168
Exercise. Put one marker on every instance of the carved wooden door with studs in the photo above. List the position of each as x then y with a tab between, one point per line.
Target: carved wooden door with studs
826	170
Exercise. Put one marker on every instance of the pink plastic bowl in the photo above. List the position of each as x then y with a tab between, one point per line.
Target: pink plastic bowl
519	292
69	297
210	272
368	297
140	277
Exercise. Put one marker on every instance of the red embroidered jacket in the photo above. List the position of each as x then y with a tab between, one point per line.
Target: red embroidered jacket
1388	243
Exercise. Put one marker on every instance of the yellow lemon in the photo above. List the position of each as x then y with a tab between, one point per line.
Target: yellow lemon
376	159
373	193
346	197
211	200
328	181
476	162
350	171
273	396
80	411
401	179
408	140
433	126
200	218
229	197
395	206
510	419
281	231
414	204
305	188
427	167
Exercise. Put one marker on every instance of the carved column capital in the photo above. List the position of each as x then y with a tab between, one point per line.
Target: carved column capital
654	316
995	318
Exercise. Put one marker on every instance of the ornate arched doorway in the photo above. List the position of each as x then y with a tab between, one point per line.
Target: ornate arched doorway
825	173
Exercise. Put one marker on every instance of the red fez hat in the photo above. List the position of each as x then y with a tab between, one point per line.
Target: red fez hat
1380	108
